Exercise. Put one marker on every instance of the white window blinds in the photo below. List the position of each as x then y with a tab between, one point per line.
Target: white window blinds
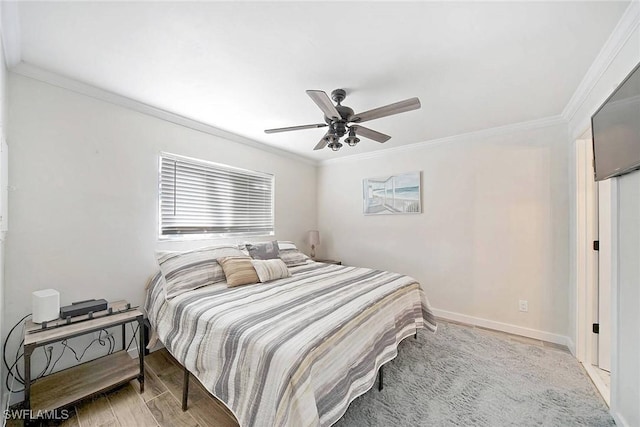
199	197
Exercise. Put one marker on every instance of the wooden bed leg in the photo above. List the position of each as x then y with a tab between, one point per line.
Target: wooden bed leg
380	378
185	389
416	335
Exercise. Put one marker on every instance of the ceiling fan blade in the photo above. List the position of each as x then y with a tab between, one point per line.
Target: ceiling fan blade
387	110
322	143
322	100
371	134
318	125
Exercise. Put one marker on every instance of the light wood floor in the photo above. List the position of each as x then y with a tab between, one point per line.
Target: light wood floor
160	404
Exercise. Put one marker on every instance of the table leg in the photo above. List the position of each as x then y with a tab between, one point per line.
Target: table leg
28	350
124	334
141	353
185	389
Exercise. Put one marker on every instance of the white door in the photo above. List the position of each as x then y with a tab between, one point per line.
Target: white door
587	258
605	272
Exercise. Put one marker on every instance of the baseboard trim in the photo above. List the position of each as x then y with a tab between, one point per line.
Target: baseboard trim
133	353
504	327
620	420
603	389
572	347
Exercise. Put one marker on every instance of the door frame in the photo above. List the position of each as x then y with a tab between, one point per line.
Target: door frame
586	272
586	261
607	262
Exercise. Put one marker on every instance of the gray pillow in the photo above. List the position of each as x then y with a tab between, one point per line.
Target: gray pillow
293	257
185	271
266	250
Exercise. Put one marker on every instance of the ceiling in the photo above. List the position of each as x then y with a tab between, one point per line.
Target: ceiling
244	67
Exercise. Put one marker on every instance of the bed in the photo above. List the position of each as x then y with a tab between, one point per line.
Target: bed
294	351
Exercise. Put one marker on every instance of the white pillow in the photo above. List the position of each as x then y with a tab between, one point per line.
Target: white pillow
270	269
285	244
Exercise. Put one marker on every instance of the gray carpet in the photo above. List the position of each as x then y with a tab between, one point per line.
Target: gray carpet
463	376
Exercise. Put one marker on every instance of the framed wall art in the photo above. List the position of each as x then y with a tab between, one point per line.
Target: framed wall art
394	194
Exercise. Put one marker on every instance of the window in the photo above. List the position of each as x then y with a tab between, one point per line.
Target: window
202	198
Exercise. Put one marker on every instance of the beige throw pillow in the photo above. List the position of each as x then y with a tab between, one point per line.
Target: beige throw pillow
238	270
270	269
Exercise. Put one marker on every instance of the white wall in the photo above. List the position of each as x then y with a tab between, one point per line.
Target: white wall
3	127
625	377
627	394
494	227
83	204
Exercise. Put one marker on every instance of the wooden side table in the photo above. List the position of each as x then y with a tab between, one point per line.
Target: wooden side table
329	261
68	386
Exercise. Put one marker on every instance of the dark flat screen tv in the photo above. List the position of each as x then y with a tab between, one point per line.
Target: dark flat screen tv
616	130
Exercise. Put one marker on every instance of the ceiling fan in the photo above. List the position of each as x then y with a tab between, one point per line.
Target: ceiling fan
342	120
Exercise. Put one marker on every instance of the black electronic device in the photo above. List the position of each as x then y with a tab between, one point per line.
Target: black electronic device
81	308
616	130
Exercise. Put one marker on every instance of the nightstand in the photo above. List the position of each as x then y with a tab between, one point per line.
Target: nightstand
68	386
329	261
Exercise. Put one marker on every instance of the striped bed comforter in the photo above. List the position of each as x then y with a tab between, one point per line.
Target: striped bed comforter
295	351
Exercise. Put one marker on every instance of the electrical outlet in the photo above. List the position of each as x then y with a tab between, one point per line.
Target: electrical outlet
523	305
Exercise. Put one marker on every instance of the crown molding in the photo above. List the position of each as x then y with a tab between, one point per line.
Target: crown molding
40	74
627	24
485	133
10	33
10	29
58	80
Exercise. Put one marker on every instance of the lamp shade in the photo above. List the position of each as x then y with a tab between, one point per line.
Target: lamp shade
314	237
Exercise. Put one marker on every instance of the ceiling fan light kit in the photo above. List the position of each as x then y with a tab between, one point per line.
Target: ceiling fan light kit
352	139
335	146
342	120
